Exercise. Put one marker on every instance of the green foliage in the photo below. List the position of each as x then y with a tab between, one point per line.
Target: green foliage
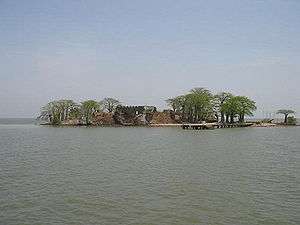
229	108
240	106
223	97
219	100
286	113
245	107
88	108
200	104
58	111
291	120
194	106
176	103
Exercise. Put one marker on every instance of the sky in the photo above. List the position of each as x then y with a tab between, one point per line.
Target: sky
143	52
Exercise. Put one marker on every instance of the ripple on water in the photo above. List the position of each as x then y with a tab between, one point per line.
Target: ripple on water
148	176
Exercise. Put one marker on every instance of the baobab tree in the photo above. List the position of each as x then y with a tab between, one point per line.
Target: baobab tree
177	103
198	105
110	104
58	111
238	106
286	113
88	108
219	101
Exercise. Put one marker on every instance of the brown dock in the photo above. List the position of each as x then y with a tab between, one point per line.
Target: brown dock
209	126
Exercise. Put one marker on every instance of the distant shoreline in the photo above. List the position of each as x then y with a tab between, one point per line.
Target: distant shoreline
253	125
24	121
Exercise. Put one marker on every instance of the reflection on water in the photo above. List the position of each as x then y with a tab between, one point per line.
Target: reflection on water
149	175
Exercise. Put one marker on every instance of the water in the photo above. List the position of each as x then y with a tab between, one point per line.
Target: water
149	175
17	121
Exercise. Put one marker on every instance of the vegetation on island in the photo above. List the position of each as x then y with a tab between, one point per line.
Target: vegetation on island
62	110
58	112
110	104
196	106
200	104
88	109
289	120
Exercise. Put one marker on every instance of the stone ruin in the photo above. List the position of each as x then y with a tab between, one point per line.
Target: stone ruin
135	116
103	119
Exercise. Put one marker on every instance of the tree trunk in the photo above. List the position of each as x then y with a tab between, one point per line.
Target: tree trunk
285	118
222	117
227	118
231	118
217	117
241	118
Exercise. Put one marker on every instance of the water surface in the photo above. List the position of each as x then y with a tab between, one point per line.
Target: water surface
149	175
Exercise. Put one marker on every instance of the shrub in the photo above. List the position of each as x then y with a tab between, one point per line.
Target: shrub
291	120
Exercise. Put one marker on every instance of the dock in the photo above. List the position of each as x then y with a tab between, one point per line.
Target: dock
209	126
203	126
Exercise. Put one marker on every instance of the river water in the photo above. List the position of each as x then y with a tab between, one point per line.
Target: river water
149	176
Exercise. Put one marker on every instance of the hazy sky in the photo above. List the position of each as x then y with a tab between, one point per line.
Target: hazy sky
143	52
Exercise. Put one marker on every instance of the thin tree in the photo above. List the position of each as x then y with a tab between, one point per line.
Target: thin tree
110	104
177	103
238	106
56	112
286	113
220	100
229	109
88	108
198	105
244	107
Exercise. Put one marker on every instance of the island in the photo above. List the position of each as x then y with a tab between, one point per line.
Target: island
197	109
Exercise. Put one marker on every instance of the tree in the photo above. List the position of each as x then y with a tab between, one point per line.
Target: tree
66	107
110	104
291	120
219	100
88	108
50	113
176	103
240	106
198	105
286	113
229	108
245	107
58	111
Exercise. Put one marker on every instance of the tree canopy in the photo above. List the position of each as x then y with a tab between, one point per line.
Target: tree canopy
198	105
243	106
286	113
88	108
219	101
201	105
176	103
110	104
58	111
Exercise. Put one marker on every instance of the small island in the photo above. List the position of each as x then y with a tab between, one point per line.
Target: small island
197	109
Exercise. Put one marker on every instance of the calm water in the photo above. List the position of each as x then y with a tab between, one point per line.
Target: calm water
149	176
